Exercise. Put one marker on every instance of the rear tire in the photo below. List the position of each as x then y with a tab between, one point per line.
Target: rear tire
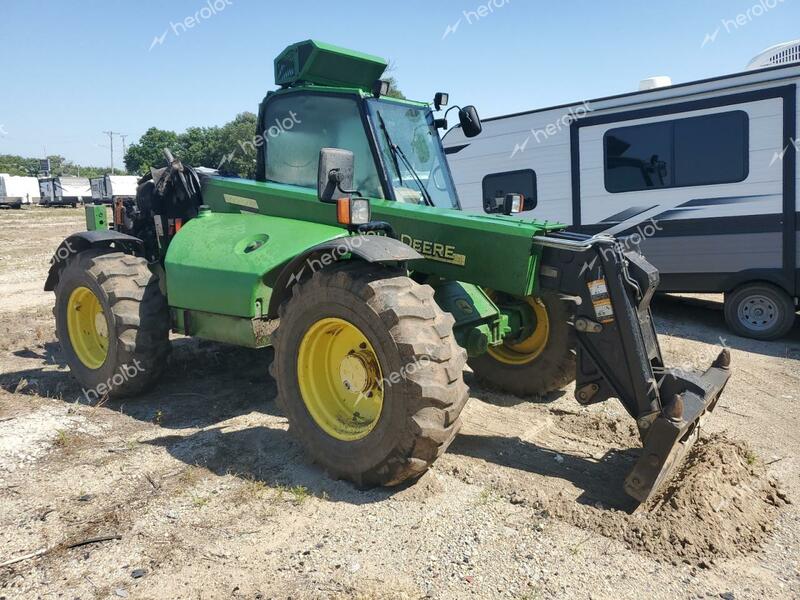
418	361
552	369
761	311
122	350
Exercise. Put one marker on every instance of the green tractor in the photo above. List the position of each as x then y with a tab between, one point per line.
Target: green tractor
349	255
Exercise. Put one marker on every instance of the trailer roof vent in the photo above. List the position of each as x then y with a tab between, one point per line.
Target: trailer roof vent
325	64
652	83
782	54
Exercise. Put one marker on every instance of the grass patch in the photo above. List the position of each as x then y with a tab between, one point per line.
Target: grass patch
487	496
297	494
199	501
67	441
250	490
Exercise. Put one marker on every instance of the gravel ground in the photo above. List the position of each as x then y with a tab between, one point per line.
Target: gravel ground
206	495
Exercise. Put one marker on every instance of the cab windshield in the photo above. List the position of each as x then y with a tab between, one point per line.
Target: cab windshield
412	154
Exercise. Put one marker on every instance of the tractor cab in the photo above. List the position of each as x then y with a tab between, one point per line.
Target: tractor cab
331	97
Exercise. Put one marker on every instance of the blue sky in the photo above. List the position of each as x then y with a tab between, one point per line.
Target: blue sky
71	70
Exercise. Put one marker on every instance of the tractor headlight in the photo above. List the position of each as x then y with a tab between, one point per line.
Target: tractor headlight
359	211
353	211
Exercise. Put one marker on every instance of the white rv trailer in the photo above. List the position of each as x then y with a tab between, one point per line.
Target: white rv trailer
112	187
98	187
704	173
121	186
16	191
65	191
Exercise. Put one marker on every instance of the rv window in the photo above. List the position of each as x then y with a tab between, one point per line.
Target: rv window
712	149
707	150
497	185
639	158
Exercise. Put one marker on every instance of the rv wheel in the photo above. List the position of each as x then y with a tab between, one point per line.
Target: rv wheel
761	311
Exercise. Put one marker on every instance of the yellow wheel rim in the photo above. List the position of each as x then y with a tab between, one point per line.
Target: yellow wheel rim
87	328
531	347
340	379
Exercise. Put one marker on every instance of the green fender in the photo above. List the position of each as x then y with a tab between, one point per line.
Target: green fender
245	264
227	263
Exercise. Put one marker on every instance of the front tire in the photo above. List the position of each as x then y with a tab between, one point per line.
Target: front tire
369	374
544	362
761	311
113	323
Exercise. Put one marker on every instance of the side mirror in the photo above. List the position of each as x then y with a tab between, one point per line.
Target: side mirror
510	192
470	121
334	174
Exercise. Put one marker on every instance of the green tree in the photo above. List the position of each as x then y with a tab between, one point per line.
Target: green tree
231	147
20	165
394	91
237	146
149	151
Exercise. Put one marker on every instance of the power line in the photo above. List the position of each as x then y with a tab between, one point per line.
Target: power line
123	136
110	135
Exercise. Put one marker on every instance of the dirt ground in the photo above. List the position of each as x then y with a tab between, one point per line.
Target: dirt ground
205	494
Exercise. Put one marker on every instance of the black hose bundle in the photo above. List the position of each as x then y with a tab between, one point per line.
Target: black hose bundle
173	191
166	198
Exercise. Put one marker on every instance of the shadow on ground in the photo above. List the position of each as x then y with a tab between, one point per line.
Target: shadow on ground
203	384
268	455
600	481
703	321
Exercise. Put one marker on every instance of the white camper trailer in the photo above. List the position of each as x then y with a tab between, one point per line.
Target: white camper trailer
121	186
108	188
65	191
98	187
16	191
703	174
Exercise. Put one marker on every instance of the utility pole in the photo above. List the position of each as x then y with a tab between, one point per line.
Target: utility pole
110	135
123	136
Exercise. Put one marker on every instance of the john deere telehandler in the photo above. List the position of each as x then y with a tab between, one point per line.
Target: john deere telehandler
349	255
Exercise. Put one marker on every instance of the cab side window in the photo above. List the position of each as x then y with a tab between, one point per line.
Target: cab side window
297	126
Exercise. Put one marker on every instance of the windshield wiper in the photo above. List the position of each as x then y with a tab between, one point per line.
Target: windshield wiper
397	151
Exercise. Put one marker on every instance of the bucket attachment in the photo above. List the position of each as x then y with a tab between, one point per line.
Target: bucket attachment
619	355
673	432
